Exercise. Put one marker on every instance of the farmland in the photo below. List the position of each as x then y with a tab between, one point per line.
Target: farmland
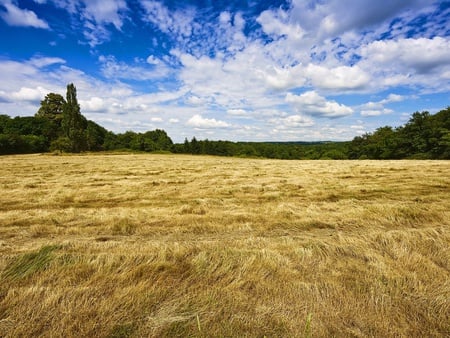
118	245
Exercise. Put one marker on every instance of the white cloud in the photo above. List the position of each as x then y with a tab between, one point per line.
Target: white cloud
328	19
377	108
95	104
393	98
105	12
15	16
379	112
313	104
113	69
237	112
95	17
41	62
178	22
98	15
297	121
153	60
338	78
196	100
292	122
283	78
29	94
420	55
276	23
197	121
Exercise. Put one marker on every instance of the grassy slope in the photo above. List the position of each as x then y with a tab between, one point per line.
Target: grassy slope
165	245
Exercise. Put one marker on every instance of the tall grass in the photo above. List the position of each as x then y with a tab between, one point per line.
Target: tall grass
164	245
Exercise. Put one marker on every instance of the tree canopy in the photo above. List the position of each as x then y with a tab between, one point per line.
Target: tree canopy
423	136
52	108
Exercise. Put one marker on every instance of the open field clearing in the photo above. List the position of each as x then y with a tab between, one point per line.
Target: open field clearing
165	245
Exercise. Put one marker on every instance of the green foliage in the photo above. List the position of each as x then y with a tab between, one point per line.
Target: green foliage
122	331
4	120
307	330
52	108
27	126
30	263
151	141
424	136
61	144
22	144
279	150
95	136
73	123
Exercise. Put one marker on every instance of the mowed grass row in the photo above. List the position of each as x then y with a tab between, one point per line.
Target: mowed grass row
171	245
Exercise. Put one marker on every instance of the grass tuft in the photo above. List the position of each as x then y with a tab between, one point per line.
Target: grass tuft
122	331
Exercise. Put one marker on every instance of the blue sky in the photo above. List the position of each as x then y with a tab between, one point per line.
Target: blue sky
294	70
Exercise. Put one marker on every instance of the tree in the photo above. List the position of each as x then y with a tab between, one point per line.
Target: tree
95	136
61	144
4	120
160	139
73	123
195	146
52	108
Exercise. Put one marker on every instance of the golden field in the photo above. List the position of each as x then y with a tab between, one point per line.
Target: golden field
139	245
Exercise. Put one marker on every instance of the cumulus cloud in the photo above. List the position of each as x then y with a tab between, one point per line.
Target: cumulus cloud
313	104
420	55
95	104
338	78
393	98
29	94
197	121
15	16
378	108
277	23
328	19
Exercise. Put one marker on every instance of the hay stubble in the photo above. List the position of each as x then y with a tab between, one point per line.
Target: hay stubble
165	245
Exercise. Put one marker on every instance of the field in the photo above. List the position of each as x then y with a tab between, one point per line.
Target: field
133	245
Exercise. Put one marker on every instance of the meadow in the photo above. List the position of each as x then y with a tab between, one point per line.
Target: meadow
145	245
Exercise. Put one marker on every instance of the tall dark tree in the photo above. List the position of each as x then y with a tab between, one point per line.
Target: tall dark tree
73	123
195	146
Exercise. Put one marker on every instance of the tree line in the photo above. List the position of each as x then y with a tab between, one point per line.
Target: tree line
59	126
424	136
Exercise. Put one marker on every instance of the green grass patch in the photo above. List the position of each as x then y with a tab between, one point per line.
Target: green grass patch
30	263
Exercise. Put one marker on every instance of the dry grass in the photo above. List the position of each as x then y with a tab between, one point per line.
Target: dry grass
162	245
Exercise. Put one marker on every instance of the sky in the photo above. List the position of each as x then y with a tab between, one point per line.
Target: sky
273	70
